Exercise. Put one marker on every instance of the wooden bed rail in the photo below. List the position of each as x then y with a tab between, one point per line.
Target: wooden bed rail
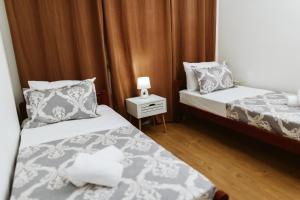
102	98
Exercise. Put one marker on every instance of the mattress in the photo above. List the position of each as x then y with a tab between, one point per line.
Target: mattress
108	119
150	171
215	102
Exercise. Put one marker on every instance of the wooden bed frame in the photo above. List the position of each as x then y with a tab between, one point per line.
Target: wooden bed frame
260	134
103	98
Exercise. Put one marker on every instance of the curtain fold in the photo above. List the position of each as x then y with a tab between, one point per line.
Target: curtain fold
113	40
58	39
193	33
139	44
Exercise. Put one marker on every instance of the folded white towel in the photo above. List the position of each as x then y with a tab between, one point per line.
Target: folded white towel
71	173
90	169
101	168
293	100
111	153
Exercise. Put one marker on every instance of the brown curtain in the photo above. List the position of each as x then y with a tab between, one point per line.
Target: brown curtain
58	39
139	42
69	39
193	32
153	38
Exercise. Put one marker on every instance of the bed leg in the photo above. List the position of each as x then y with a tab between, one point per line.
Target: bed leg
220	195
183	116
178	85
179	115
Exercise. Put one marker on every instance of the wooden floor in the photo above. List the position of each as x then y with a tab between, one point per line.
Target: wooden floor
243	167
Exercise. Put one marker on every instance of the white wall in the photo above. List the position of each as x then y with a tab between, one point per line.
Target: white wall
9	128
260	40
9	124
7	42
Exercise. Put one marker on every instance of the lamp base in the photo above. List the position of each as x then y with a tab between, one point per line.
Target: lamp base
144	93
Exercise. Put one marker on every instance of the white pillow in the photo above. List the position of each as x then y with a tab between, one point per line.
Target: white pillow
46	85
191	80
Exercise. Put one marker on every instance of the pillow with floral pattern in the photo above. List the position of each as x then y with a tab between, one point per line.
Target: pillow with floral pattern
55	105
214	78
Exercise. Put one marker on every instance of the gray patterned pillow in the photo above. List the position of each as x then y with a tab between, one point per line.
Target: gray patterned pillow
55	105
214	78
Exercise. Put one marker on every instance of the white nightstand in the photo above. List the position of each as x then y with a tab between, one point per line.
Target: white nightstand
139	107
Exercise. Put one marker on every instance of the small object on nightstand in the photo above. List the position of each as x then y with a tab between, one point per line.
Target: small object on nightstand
139	108
143	84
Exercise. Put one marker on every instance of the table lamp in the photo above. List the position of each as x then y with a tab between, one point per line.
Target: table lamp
143	83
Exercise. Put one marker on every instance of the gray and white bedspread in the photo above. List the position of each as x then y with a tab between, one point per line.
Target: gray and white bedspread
268	112
150	172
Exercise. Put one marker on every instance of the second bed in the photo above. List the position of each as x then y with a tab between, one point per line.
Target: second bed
260	113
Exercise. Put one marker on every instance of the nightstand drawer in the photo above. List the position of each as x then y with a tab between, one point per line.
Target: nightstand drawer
153	108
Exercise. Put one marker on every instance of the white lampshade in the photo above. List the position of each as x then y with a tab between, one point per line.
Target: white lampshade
143	83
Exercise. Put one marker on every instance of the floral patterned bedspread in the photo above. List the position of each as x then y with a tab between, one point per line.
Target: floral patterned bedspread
269	112
150	172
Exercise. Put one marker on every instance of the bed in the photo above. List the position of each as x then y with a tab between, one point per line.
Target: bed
150	171
215	102
259	113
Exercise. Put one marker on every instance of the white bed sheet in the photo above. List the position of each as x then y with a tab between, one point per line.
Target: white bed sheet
109	119
215	102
